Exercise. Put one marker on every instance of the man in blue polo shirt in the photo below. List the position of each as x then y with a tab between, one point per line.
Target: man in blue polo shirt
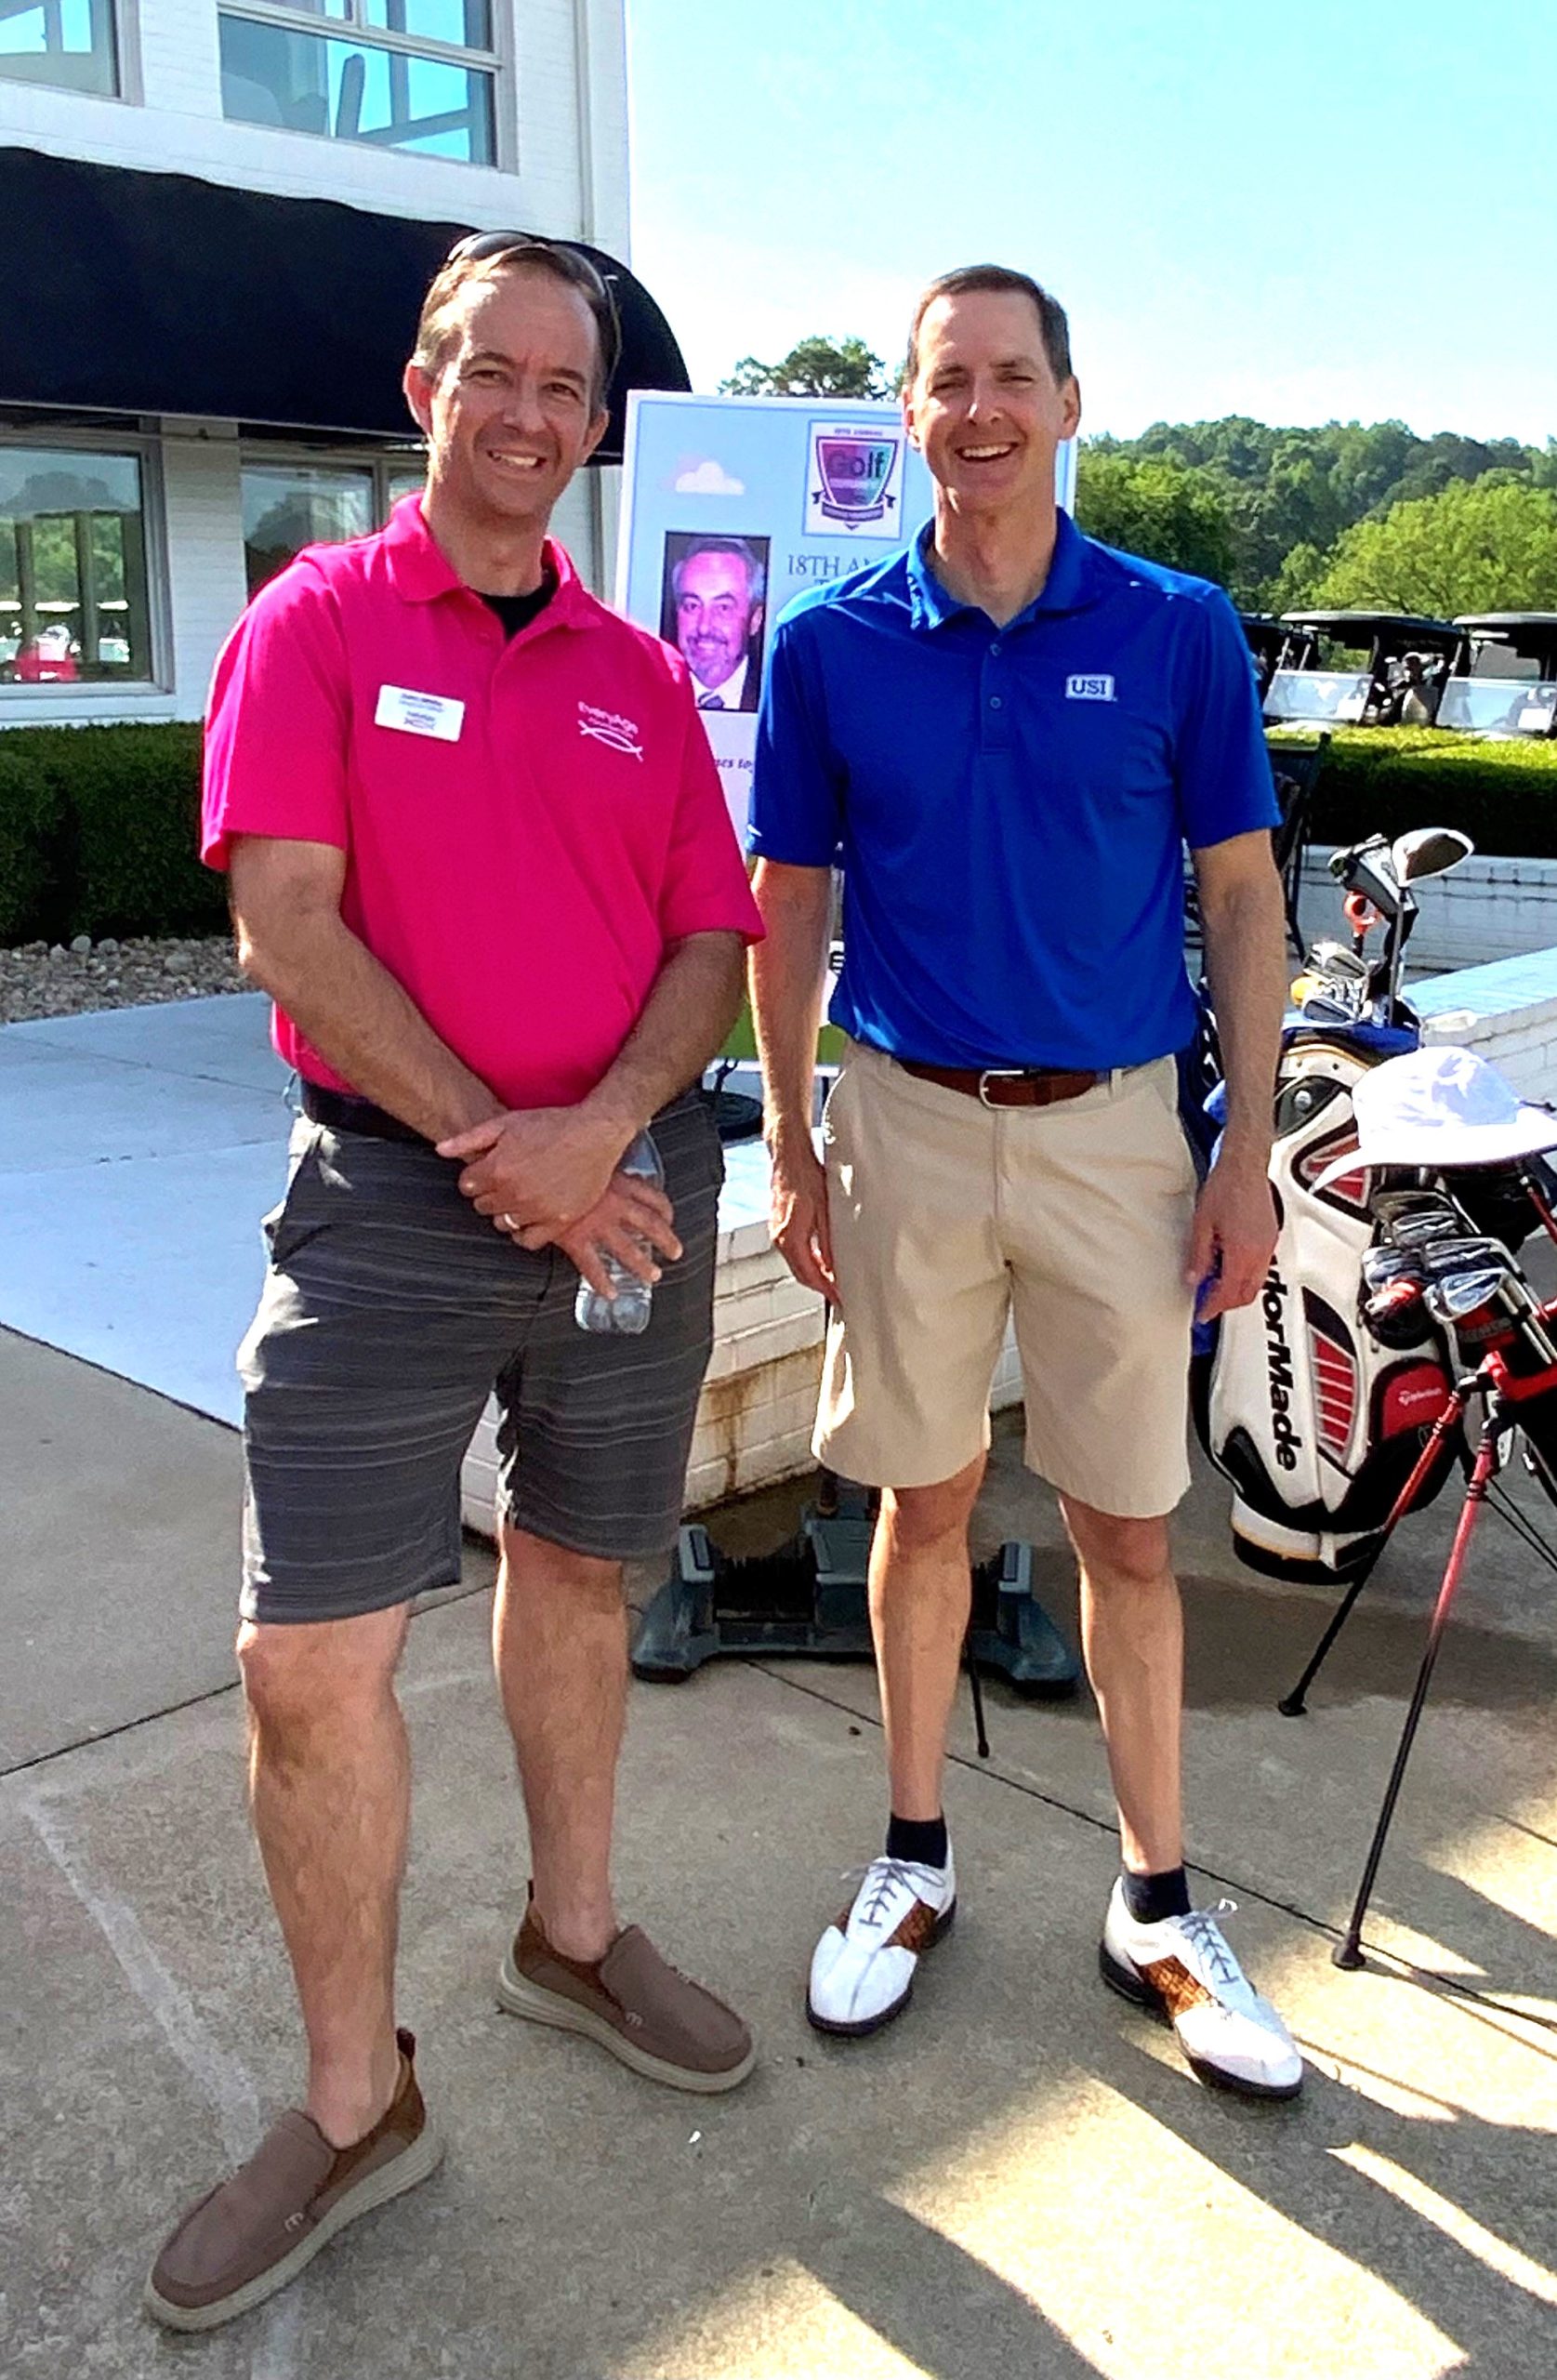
1005	737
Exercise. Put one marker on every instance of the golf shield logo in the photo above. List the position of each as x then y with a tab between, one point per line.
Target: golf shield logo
855	479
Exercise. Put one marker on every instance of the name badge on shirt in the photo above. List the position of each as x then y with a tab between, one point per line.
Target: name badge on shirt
414	714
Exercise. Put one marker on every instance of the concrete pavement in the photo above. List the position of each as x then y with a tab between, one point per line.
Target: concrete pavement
1020	2177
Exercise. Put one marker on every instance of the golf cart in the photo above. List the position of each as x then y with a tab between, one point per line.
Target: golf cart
1266	638
1395	677
1504	679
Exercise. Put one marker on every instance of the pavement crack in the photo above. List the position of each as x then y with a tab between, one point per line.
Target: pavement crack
1069	1810
221	2079
1386	1961
109	1735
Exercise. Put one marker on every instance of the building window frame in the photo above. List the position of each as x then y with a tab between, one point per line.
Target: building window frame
119	17
496	62
382	463
145	446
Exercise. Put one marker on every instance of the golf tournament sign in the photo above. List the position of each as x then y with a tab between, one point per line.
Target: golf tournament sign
733	505
856	478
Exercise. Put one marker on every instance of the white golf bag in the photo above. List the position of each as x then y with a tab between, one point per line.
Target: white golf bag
1317	1426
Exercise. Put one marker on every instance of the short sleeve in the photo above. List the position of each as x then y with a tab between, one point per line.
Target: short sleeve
796	793
1221	765
705	889
276	727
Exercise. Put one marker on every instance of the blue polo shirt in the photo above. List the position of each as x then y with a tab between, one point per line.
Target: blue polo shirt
1010	805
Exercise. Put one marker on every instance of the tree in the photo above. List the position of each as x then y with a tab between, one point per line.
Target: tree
1488	545
1292	588
814	367
1160	509
1289	490
1441	460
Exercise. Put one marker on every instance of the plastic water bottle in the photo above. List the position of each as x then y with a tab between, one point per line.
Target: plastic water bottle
627	1312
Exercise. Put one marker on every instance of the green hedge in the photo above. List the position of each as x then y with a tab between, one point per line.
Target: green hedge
1382	780
100	833
31	858
99	825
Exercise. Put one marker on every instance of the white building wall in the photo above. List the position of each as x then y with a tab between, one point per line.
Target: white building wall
206	589
563	156
600	42
562	139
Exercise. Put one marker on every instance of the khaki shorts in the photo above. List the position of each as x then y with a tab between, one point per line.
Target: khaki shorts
947	1217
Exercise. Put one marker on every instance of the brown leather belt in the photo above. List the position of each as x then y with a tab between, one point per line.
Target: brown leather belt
1006	1086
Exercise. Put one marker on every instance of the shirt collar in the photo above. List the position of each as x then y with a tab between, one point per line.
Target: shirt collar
932	604
729	693
422	571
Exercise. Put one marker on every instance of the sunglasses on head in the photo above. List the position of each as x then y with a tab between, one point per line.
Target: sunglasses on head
479	247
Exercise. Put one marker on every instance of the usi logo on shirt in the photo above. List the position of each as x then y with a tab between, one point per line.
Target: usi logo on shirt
1089	690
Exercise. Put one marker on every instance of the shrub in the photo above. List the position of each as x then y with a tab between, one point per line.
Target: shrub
32	893
134	794
1382	780
109	842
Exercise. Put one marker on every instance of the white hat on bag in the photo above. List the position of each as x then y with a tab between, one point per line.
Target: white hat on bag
1441	1108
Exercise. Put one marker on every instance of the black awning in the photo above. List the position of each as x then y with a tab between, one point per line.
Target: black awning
154	293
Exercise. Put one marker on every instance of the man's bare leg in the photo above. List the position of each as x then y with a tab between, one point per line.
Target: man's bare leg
1132	1633
559	1645
861	1970
330	1787
920	1587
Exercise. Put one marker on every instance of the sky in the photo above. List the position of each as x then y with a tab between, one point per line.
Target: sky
1301	213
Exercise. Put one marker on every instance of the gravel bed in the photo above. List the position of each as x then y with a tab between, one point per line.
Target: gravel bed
40	979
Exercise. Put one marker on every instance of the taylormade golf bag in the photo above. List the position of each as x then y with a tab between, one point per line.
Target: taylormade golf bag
1315	1424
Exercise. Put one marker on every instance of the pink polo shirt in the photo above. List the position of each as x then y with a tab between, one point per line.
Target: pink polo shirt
522	847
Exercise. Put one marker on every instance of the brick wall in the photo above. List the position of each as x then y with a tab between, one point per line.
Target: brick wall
1506	1011
1488	910
759	1400
754	1419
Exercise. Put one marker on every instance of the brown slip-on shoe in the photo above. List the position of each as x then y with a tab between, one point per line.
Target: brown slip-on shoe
255	2231
634	2003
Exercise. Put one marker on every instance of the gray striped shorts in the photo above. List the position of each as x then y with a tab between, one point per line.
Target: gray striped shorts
390	1310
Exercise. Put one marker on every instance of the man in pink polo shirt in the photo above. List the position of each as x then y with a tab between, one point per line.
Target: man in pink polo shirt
479	856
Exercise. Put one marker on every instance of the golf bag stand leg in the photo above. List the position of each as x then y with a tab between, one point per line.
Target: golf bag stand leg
1294	1705
1349	1953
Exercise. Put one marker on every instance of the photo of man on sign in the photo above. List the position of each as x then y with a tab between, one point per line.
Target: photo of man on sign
712	608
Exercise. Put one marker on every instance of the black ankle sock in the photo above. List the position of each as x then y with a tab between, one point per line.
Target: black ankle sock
921	1840
1150	1899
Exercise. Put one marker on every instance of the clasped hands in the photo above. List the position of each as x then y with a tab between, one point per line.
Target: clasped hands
548	1177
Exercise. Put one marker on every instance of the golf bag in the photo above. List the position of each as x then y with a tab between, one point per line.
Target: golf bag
1316	1425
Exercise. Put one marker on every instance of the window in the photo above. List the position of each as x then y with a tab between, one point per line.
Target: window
73	604
411	75
405	479
66	42
289	505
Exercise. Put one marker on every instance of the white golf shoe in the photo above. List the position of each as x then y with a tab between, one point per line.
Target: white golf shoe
1182	1971
861	1971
